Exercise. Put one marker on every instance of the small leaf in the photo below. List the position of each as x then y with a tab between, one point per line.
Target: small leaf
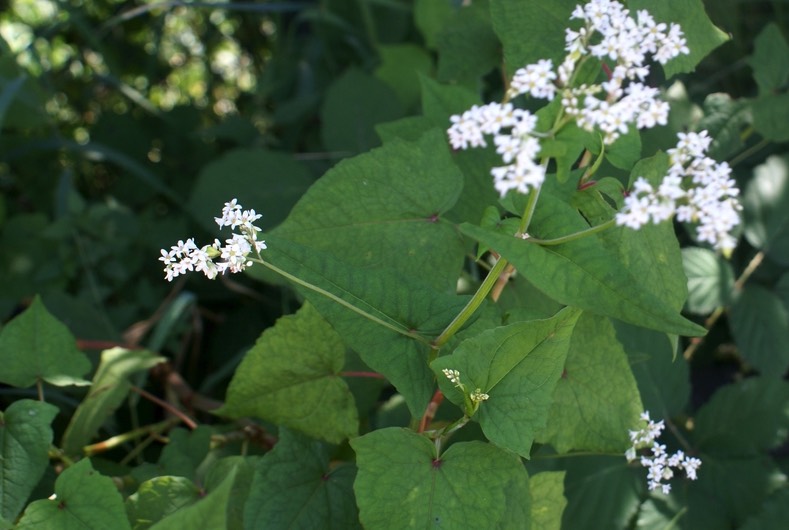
547	500
766	204
770	114
109	388
209	512
518	366
292	377
710	280
157	498
596	400
760	325
297	486
185	451
35	346
25	437
724	119
403	483
84	499
770	60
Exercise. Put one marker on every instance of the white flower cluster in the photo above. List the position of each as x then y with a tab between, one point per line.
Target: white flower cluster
696	189
610	33
610	107
659	463
186	256
511	129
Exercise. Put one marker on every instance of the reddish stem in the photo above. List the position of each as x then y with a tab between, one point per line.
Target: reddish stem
166	406
83	344
372	375
430	411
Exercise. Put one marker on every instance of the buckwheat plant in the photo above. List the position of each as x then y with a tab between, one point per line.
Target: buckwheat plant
395	227
660	464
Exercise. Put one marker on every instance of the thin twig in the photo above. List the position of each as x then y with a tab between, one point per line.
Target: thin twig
167	406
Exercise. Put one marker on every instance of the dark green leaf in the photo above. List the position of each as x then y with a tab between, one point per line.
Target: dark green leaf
760	325
157	498
292	377
700	32
518	366
773	515
596	401
84	499
403	483
109	388
297	486
770	114
401	67
431	16
710	280
185	452
209	512
744	418
467	47
770	60
25	437
530	31
35	346
354	104
267	181
766	204
725	118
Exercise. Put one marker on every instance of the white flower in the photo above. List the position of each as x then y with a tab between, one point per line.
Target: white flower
186	256
452	375
659	463
696	189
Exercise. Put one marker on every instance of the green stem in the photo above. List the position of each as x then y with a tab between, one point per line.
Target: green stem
572	237
388	325
528	212
472	305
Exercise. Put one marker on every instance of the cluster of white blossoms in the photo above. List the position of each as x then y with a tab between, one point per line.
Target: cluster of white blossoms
697	189
511	129
658	462
454	377
233	256
609	33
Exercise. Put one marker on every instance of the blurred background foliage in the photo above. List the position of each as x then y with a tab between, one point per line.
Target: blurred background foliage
124	126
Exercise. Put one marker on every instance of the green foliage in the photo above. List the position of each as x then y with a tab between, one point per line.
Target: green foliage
412	348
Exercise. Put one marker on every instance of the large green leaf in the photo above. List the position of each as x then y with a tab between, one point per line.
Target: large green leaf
530	31
25	437
83	499
585	273
700	32
382	210
547	500
297	486
766	204
405	305
596	400
710	280
760	325
159	497
403	483
210	512
353	105
35	347
109	388
292	377
518	366
744	418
